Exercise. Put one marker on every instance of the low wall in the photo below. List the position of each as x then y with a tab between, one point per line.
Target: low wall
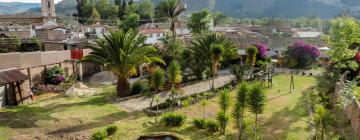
352	111
34	64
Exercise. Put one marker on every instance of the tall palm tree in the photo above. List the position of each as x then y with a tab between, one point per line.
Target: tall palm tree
122	52
209	50
256	102
171	9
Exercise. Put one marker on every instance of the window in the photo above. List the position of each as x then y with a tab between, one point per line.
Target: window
158	35
150	35
49	4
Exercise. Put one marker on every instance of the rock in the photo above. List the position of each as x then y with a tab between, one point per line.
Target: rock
104	77
80	90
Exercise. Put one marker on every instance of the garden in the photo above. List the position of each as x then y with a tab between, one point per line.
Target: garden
202	91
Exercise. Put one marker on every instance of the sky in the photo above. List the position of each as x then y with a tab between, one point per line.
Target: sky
28	1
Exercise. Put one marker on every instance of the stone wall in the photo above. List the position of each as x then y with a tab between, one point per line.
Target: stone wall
352	111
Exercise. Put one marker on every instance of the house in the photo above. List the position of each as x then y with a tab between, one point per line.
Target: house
155	35
180	27
21	31
95	31
306	32
272	30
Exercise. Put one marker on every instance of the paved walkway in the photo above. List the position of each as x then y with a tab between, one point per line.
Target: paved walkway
140	103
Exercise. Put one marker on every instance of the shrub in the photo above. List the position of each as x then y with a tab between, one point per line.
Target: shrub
111	130
200	123
54	75
99	135
212	126
173	120
140	87
304	54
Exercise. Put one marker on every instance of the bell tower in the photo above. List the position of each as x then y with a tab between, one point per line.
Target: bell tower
48	10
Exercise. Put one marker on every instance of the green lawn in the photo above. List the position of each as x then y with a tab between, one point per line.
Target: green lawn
56	117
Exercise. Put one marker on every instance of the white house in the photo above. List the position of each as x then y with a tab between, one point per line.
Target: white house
95	31
306	32
154	35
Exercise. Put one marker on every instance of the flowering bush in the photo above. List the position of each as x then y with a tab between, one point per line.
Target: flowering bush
357	57
262	49
54	75
301	55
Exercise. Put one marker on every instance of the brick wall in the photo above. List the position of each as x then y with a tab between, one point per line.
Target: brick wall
352	111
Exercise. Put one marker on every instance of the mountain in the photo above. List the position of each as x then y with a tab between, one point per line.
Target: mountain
243	8
16	7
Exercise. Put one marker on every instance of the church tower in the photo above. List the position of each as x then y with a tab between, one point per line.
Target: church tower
48	10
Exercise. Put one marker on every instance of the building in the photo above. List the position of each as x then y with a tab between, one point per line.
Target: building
154	35
306	32
95	31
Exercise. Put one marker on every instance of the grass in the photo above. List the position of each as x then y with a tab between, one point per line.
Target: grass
56	117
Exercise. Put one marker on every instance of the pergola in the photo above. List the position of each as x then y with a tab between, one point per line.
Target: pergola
12	78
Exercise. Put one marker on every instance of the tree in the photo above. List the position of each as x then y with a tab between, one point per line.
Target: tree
216	53
251	53
344	39
122	52
174	49
224	102
157	100
199	21
157	82
256	102
171	9
174	73
95	16
186	104
131	21
146	9
323	119
201	55
220	19
203	104
107	10
238	113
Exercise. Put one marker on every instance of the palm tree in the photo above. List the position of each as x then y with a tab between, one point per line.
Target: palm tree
157	82
256	101
171	9
238	113
224	102
208	51
122	52
174	73
216	52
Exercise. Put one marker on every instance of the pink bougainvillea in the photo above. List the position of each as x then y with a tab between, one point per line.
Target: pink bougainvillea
262	49
357	57
304	54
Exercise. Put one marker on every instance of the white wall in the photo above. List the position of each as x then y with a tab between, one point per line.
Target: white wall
2	96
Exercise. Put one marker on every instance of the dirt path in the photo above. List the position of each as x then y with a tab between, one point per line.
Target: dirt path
140	103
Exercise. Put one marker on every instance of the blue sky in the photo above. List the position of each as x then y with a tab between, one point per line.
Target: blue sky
29	1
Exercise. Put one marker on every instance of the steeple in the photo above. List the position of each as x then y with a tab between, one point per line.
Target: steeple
48	10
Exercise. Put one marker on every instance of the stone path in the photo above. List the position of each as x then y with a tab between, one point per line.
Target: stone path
140	103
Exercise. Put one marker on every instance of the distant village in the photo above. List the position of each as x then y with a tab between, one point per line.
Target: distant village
32	44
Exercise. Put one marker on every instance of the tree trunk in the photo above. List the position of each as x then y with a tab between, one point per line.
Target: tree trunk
255	129
123	87
152	99
173	28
